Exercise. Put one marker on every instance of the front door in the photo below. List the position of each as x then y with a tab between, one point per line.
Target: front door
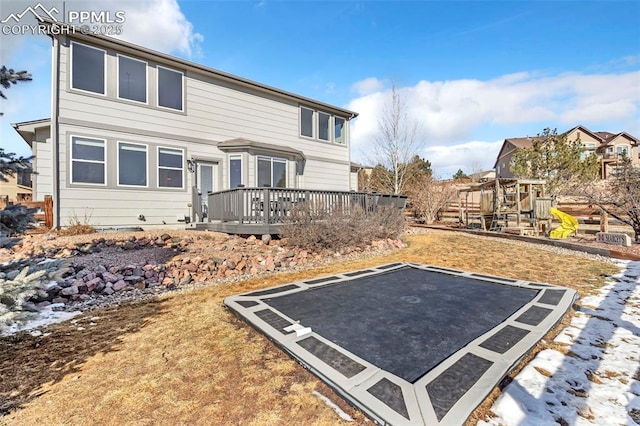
206	173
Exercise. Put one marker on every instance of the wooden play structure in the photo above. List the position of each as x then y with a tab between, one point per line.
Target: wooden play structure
507	205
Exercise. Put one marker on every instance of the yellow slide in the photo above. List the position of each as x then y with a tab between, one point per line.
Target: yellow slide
568	225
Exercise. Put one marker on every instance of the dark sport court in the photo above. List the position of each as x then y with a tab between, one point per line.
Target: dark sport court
407	343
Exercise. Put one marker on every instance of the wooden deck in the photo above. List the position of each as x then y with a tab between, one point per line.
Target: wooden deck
264	210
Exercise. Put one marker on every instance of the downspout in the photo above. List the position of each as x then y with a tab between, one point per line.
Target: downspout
55	128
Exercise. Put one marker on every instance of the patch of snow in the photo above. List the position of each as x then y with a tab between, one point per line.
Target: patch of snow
596	383
46	316
344	416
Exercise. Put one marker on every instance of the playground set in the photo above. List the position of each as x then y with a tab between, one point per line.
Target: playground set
518	206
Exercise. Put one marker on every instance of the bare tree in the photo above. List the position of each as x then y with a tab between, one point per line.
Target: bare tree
429	197
396	142
619	196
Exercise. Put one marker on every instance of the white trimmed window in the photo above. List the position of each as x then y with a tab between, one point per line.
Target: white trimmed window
622	150
170	93
339	130
588	148
132	79
88	165
306	122
88	68
272	172
235	170
323	126
132	164
170	167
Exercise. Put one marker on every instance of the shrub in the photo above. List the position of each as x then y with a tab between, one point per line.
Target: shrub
430	197
78	226
315	226
77	230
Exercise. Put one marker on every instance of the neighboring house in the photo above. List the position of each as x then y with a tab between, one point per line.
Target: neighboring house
609	147
483	176
17	188
135	133
353	176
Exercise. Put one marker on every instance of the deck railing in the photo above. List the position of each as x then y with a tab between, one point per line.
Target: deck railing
273	205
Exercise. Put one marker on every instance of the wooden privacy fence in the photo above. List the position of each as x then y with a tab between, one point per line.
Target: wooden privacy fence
44	212
586	213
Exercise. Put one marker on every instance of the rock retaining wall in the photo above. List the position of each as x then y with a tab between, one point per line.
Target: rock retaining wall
104	267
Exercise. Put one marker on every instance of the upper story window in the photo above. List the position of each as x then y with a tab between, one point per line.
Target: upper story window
170	88
272	172
132	79
588	148
306	122
323	126
235	170
318	125
88	160
132	164
622	150
339	130
88	69
170	167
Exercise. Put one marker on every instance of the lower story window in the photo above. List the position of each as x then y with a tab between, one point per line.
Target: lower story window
170	167
272	172
235	171
88	160
132	164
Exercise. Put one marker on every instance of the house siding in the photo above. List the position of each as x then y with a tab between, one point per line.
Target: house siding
42	149
504	160
214	110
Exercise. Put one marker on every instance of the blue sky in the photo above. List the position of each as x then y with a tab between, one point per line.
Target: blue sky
472	73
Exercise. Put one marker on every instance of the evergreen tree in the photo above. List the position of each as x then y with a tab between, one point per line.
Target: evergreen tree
19	288
557	160
460	175
9	76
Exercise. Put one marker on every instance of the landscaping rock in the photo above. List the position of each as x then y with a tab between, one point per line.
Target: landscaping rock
119	285
69	291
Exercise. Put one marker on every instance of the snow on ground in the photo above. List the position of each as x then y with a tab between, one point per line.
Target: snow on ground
596	383
46	316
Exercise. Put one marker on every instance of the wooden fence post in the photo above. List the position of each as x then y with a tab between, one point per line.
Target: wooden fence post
604	221
48	211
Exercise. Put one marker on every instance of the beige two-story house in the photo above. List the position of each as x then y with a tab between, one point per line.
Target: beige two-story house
609	147
135	133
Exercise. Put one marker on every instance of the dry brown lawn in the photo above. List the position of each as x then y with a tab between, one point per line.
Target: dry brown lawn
185	359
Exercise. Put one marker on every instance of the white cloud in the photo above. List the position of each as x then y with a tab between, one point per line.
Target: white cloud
451	113
156	24
471	157
367	86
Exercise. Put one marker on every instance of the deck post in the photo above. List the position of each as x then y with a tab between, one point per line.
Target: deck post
266	206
